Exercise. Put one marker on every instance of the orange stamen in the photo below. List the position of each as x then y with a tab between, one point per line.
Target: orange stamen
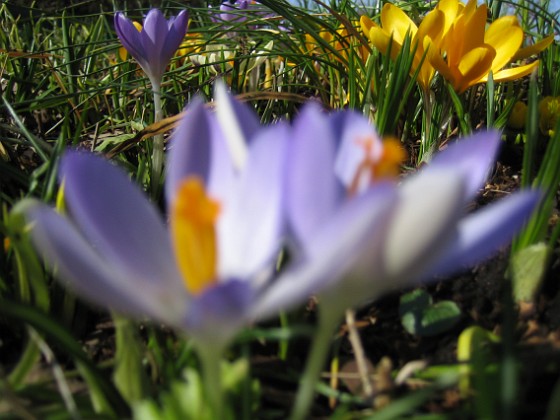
193	232
384	165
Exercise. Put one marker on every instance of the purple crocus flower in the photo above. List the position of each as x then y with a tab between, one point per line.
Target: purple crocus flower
228	10
232	187
203	270
154	45
358	240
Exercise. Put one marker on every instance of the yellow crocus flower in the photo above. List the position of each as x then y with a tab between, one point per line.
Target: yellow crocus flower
193	44
395	25
470	51
346	40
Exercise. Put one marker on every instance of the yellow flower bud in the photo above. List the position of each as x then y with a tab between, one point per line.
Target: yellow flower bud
549	111
518	116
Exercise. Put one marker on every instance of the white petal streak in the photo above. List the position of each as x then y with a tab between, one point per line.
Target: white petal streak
430	205
231	125
251	222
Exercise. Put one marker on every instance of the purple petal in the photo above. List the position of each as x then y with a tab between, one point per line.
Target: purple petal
340	258
130	38
430	205
218	313
118	219
176	34
76	262
252	222
474	155
314	191
153	36
483	233
191	149
355	129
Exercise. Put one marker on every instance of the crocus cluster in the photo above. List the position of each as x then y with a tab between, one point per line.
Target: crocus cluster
233	197
454	40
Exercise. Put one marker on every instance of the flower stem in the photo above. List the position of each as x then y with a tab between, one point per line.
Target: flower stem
328	318
157	148
212	376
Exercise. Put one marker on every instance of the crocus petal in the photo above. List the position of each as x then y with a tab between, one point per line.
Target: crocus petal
513	73
499	28
431	26
474	156
191	149
483	233
153	36
474	28
352	240
218	313
238	123
450	9
437	61
176	34
118	219
130	38
77	263
366	24
534	49
397	23
506	46
252	219
380	39
314	191
354	130
430	204
474	65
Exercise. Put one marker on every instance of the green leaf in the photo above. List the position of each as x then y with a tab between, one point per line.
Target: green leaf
440	317
419	316
528	268
112	141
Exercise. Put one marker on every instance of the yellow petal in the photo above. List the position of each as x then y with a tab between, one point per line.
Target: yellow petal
474	29
513	73
437	61
536	48
499	27
473	66
380	40
506	40
427	70
366	24
470	8
450	10
395	21
123	53
431	26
